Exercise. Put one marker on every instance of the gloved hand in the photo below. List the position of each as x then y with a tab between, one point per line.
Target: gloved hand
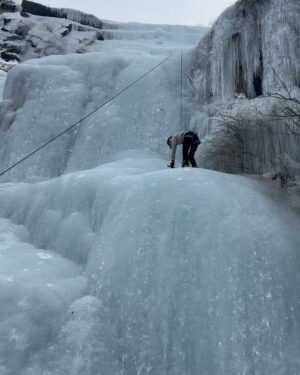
172	164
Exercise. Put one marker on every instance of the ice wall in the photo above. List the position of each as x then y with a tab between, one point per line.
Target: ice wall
251	50
75	85
246	42
45	96
179	35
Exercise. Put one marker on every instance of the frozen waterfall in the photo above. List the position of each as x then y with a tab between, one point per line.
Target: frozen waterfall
129	268
251	50
112	264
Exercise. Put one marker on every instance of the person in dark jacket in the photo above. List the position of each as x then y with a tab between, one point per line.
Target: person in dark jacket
190	142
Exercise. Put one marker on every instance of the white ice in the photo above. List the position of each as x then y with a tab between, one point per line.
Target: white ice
2	83
118	265
253	50
130	267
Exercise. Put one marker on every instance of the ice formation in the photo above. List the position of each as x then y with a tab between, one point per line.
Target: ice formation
252	49
76	84
104	272
112	264
246	42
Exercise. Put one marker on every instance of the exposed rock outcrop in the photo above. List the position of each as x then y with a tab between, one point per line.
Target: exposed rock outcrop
8	6
26	37
70	14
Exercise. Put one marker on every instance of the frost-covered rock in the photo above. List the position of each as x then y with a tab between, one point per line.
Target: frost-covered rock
70	14
23	38
8	6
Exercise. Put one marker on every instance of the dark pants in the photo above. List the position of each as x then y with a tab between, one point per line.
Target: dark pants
189	148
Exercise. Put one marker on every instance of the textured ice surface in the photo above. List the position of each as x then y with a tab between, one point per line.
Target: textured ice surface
248	43
2	83
48	95
124	267
187	272
251	50
36	286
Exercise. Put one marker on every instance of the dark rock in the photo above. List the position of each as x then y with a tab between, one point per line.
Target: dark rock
44	11
33	45
14	49
99	36
13	37
37	9
67	30
6	21
7	6
24	14
11	48
22	30
7	56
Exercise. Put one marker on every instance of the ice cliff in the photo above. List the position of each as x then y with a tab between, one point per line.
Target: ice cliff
249	39
41	91
249	52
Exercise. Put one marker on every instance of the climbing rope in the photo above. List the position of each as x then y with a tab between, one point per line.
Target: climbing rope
85	117
181	92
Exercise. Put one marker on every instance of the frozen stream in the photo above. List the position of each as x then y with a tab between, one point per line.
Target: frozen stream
118	265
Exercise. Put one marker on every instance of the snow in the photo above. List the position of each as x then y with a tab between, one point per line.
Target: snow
113	264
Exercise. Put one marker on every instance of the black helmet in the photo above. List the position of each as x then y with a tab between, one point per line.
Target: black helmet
169	141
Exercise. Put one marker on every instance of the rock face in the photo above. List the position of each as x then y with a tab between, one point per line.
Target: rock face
70	14
25	36
8	6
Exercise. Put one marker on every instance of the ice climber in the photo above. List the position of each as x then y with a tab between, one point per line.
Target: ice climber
189	141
